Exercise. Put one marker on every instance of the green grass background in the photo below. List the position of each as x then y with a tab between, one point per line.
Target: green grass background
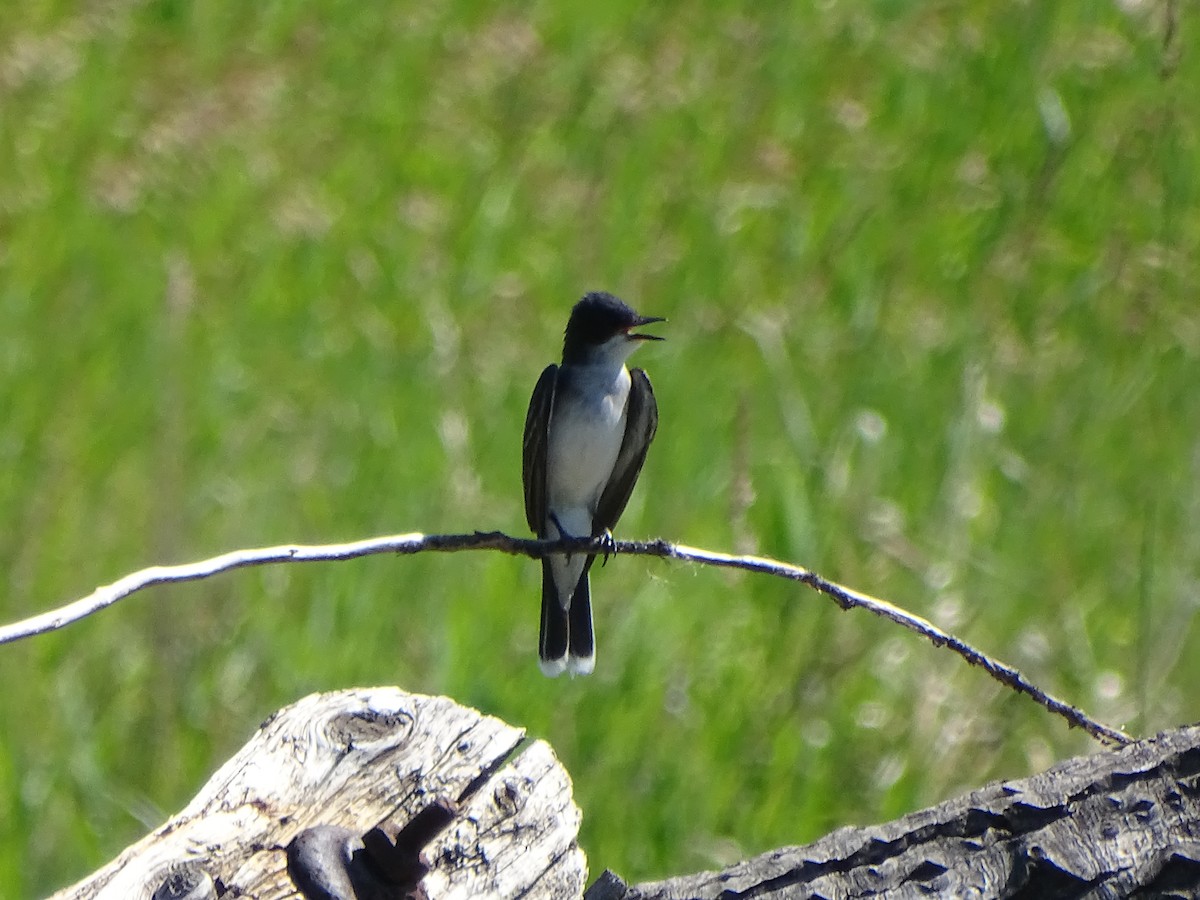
277	272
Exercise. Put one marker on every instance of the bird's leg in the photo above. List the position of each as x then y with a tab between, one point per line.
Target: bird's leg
563	534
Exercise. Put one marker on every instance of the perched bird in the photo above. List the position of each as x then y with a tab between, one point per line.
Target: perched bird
589	425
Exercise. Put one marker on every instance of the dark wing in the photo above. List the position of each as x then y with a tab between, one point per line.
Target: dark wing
641	421
533	457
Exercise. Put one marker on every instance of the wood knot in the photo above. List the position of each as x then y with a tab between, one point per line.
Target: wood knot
366	726
186	881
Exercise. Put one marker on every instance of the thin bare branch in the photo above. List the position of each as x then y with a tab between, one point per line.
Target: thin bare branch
845	597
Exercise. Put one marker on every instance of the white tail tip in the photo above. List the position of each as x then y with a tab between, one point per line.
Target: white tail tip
581	665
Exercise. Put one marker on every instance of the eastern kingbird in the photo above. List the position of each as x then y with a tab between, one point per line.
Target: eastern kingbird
589	425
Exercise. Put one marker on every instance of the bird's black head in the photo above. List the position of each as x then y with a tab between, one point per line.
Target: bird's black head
597	319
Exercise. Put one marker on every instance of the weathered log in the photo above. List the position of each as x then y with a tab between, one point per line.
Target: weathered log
325	789
1124	823
380	794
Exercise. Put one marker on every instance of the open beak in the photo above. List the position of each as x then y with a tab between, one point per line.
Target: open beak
645	320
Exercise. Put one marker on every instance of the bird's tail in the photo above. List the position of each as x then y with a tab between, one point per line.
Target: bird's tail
552	640
566	641
581	658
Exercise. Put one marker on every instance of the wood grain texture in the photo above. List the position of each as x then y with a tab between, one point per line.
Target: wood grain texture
462	804
354	760
1116	824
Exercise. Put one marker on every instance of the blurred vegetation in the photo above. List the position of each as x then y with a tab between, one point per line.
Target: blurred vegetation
287	272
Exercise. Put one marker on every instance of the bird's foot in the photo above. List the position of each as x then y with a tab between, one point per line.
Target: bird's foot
609	544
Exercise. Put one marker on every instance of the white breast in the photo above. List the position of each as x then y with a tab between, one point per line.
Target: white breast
587	426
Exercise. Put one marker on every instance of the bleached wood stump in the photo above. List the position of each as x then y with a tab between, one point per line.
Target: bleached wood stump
325	789
381	795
